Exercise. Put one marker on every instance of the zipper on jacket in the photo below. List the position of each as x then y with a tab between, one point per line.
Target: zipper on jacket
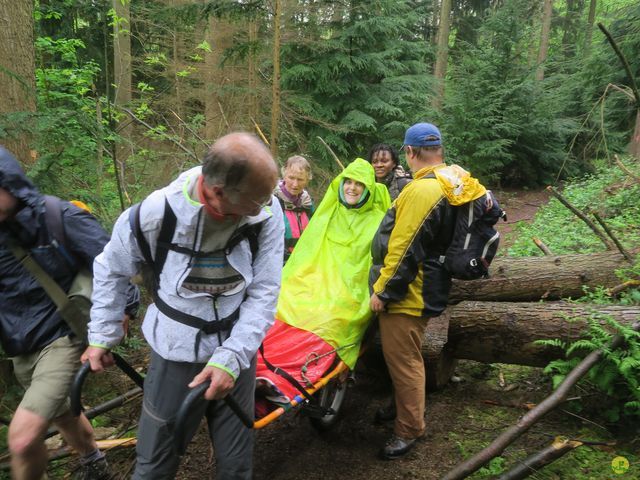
217	317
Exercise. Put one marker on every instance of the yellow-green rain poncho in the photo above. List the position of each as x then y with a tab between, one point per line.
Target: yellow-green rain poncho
324	283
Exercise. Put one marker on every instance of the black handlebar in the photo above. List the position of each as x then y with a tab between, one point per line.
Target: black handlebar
180	440
180	434
78	381
76	388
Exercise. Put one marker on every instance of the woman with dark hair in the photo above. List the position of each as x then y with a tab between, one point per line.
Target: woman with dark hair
386	164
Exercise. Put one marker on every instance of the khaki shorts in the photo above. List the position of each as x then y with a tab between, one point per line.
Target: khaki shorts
47	375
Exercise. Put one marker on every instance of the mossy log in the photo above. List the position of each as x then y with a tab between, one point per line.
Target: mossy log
524	279
505	332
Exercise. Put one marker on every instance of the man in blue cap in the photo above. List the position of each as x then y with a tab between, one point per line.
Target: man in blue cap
408	280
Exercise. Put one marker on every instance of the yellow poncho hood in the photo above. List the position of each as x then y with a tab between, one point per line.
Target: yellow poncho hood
324	283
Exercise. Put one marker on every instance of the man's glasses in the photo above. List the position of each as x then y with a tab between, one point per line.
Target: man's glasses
240	196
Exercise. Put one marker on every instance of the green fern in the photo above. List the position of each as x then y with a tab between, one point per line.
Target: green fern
587	345
616	375
554	342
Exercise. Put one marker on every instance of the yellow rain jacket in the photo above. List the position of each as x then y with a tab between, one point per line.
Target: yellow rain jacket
324	282
408	272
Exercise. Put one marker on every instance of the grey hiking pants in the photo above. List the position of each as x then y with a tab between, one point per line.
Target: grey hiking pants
165	387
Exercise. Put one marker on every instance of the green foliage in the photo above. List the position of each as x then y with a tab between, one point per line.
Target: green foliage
354	73
609	192
67	132
495	467
608	126
100	421
367	81
616	375
500	122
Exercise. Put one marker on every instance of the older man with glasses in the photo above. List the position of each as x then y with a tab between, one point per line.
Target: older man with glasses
214	298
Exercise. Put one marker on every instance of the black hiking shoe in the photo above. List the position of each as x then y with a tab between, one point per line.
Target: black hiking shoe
397	447
385	414
96	470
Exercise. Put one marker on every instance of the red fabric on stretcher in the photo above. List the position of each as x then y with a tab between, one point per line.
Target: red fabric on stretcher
289	348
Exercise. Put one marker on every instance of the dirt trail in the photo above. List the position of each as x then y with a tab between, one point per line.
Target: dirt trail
521	206
461	418
291	448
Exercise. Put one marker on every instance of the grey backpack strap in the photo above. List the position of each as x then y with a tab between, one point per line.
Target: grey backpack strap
74	313
49	285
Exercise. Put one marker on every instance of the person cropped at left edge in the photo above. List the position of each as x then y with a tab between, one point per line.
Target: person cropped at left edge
215	298
295	201
44	351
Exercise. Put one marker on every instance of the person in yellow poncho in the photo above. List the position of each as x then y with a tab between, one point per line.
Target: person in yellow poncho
323	306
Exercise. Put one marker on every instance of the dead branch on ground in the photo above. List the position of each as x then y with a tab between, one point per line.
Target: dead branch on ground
530	465
609	232
618	289
541	245
526	421
582	217
625	169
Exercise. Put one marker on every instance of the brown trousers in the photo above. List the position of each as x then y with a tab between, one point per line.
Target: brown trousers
401	336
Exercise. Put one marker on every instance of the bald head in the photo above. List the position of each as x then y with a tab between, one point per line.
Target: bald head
238	160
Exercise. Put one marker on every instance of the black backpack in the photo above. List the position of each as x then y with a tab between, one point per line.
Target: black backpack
155	263
475	239
165	237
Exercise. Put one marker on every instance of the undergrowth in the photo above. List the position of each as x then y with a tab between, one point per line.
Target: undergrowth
609	192
605	403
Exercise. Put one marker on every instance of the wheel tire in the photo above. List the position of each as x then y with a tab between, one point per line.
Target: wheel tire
331	396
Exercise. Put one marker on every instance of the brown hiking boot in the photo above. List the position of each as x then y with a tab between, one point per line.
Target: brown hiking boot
96	470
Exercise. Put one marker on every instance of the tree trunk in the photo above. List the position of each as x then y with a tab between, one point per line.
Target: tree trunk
122	52
505	332
544	38
590	21
533	278
122	81
634	146
275	92
442	54
253	72
219	37
570	34
17	73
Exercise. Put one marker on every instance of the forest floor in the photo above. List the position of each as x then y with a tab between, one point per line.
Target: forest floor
462	418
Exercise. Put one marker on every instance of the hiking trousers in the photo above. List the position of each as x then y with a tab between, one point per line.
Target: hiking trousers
165	388
401	336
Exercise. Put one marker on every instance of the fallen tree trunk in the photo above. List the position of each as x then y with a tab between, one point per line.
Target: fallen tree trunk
505	332
525	422
522	279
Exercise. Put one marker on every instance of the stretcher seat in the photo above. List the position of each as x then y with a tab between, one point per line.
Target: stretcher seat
302	354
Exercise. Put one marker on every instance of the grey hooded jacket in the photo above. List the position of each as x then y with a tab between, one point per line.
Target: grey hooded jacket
171	339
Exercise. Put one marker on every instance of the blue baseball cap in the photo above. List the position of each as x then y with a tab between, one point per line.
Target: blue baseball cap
422	135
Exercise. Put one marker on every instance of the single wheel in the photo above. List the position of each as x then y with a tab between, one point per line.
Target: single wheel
330	397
